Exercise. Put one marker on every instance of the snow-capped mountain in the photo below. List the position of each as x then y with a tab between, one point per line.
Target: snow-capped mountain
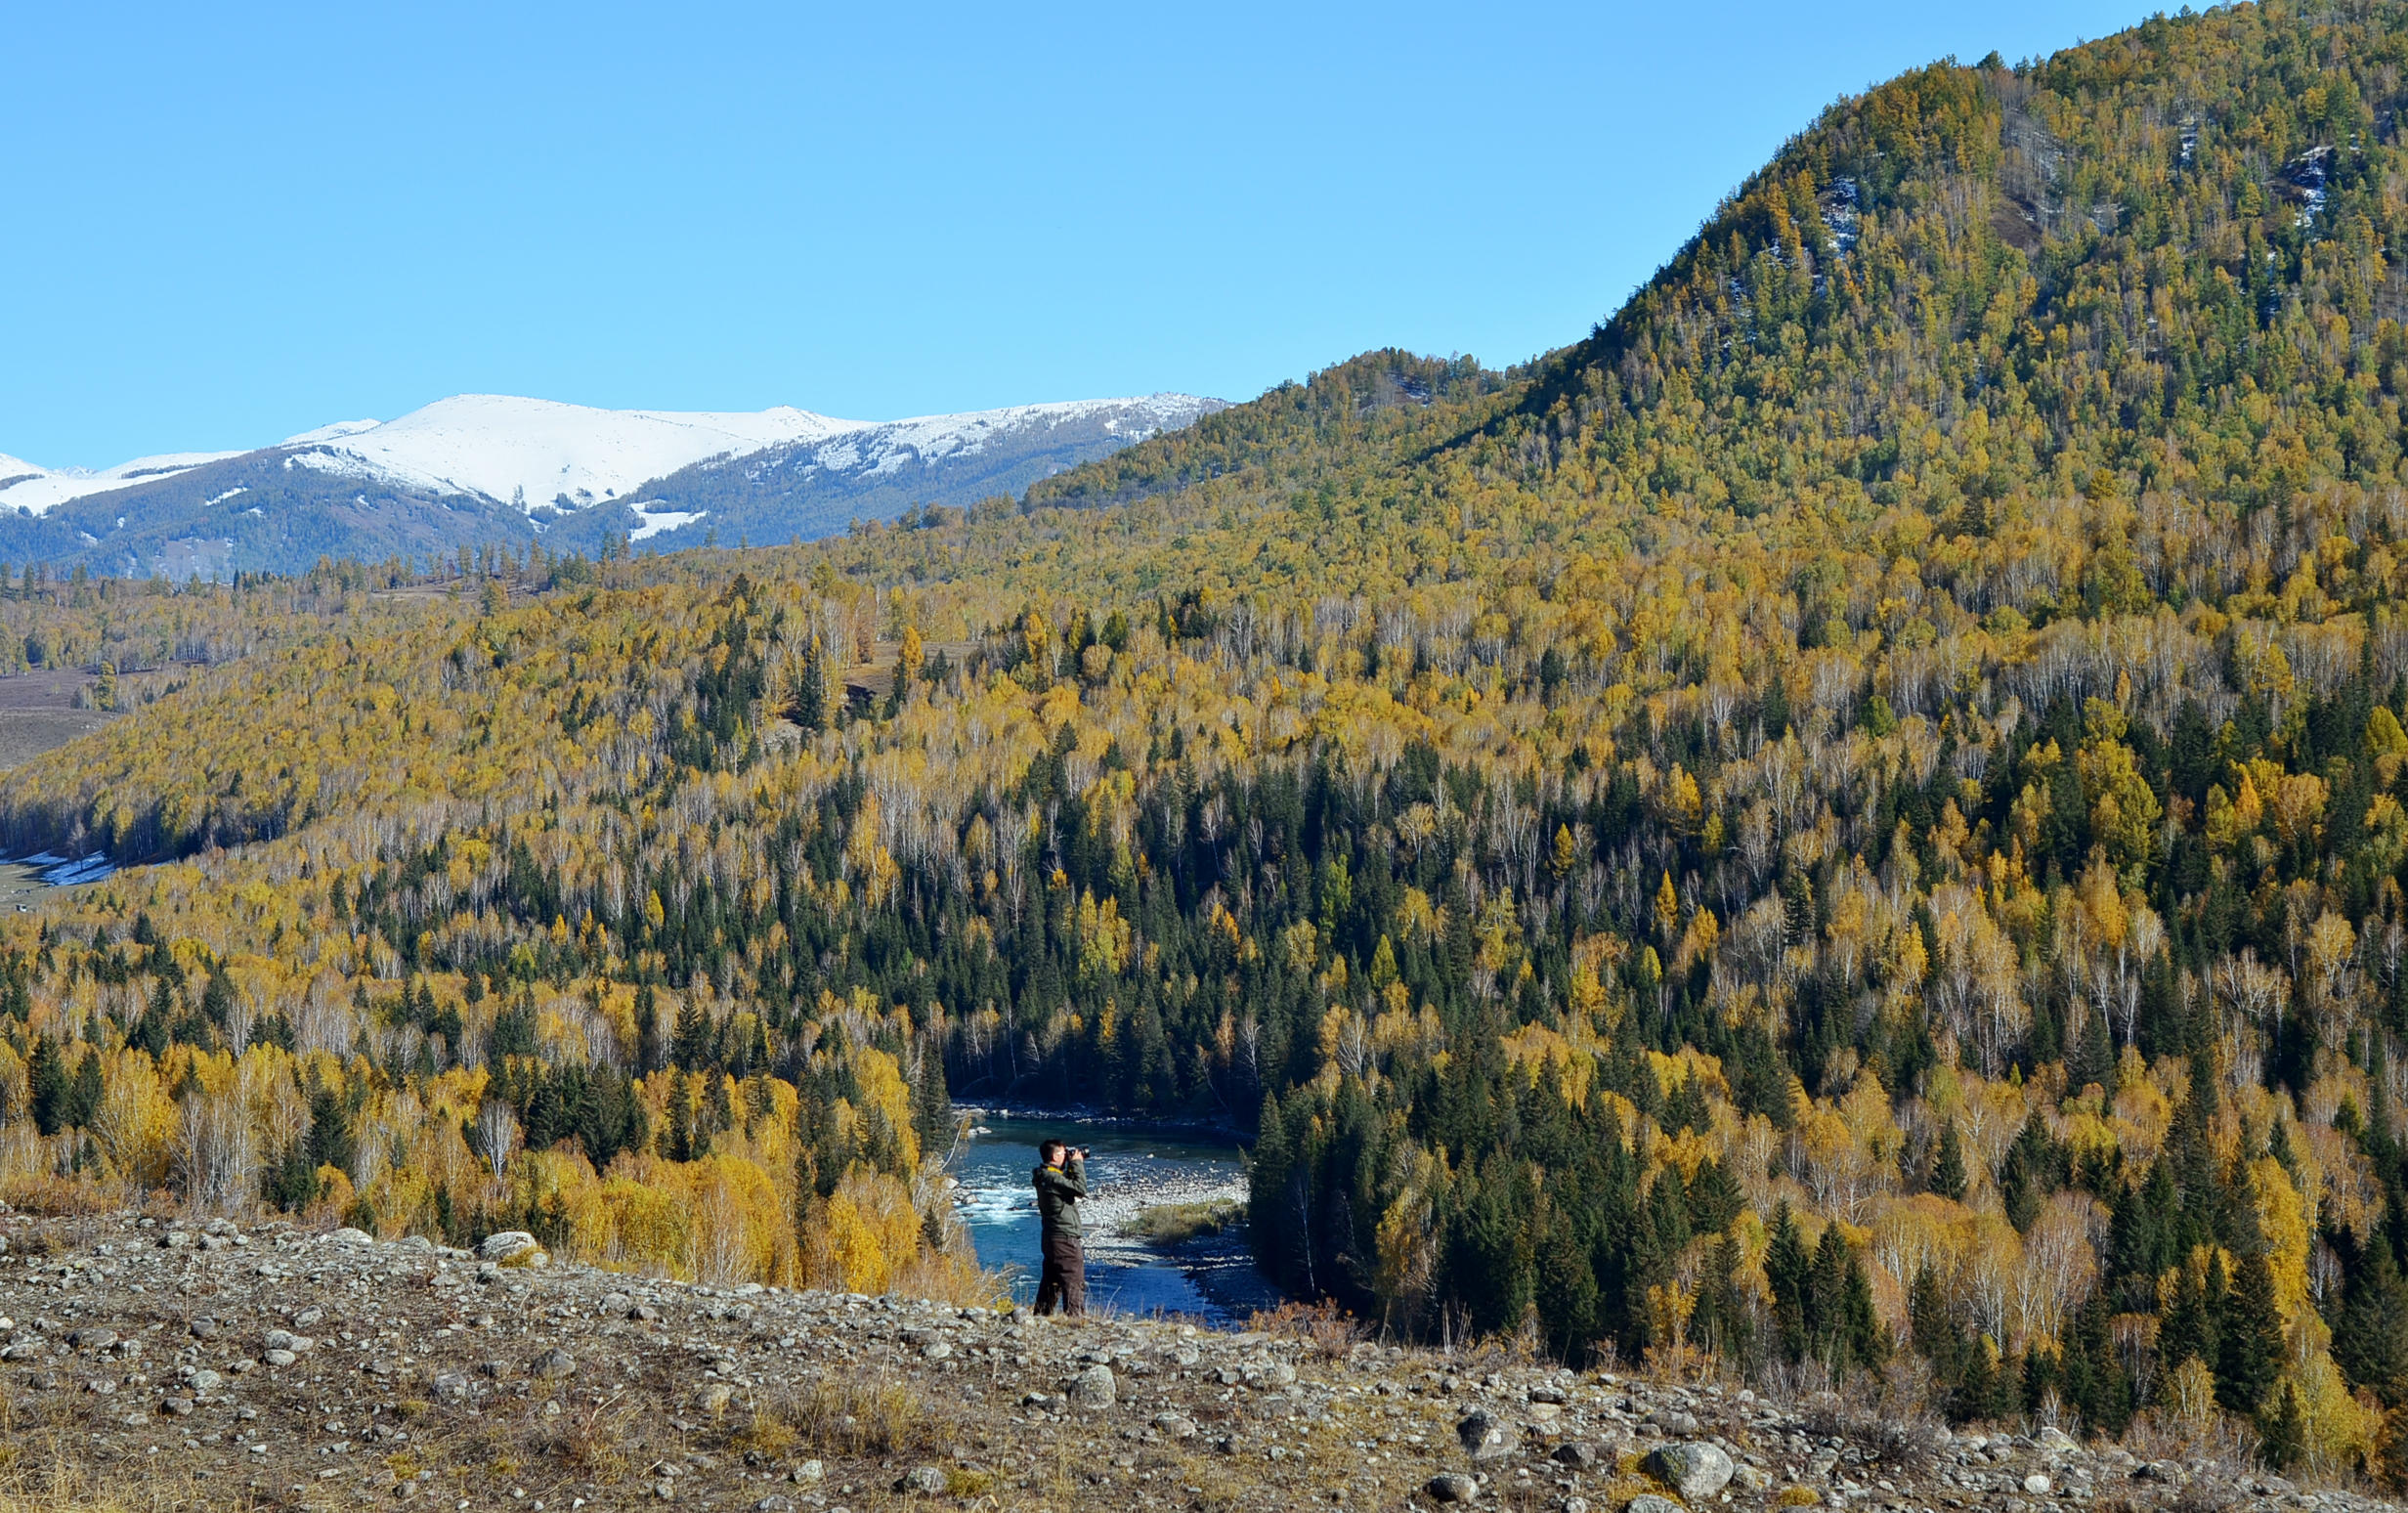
815	486
483	468
532	452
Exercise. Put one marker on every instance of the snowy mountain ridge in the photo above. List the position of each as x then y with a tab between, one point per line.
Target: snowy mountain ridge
485	469
531	454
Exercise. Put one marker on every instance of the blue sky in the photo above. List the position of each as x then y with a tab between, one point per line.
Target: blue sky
227	223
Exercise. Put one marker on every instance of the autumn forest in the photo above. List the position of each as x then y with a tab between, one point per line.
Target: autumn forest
1850	824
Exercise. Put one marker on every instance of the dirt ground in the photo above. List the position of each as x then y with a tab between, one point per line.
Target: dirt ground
38	713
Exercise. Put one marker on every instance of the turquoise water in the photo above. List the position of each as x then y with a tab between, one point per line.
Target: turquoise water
1211	1279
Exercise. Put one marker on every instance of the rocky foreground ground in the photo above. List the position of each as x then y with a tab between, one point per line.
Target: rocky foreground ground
153	1363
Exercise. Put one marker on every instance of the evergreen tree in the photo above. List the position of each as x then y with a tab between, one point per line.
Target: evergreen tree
1948	1169
1786	1269
2250	1338
46	1082
2283	1432
83	1099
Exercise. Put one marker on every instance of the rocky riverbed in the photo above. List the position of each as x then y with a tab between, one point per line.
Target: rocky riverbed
153	1363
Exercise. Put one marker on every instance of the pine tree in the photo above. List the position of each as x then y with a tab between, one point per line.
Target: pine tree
1867	1343
2283	1432
2185	1332
83	1099
2250	1346
1786	1269
47	1087
1936	1337
1948	1171
650	1053
1714	1197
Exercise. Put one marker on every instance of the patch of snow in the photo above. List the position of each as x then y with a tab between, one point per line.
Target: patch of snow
39	488
327	433
657	521
64	872
228	495
871	449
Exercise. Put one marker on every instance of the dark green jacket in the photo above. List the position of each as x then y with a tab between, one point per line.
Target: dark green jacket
1058	1191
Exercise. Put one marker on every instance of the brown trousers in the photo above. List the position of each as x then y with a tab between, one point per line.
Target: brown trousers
1062	1282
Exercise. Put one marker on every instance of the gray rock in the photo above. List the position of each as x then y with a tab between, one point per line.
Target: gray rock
204	1329
204	1380
1453	1487
1695	1471
2037	1483
93	1338
714	1398
553	1363
1578	1455
452	1387
1673	1421
1485	1437
351	1237
775	1502
177	1408
927	1481
808	1473
506	1245
277	1357
1094	1387
1648	1502
286	1339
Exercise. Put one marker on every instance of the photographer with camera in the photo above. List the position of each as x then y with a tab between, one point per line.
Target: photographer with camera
1062	1180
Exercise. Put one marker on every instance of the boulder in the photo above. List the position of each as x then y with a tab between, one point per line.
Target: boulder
1094	1387
1484	1435
509	1247
1696	1470
1453	1487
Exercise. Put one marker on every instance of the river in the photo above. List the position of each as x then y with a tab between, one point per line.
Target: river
1211	1278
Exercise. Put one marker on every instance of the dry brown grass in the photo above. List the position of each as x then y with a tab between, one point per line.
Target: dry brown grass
596	1441
881	1416
1328	1329
41	1473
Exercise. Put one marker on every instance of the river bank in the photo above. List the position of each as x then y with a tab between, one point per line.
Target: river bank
1211	1278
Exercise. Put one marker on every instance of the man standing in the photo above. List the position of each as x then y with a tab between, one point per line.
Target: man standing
1060	1183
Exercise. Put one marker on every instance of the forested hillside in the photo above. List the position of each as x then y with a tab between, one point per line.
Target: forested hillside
1851	820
